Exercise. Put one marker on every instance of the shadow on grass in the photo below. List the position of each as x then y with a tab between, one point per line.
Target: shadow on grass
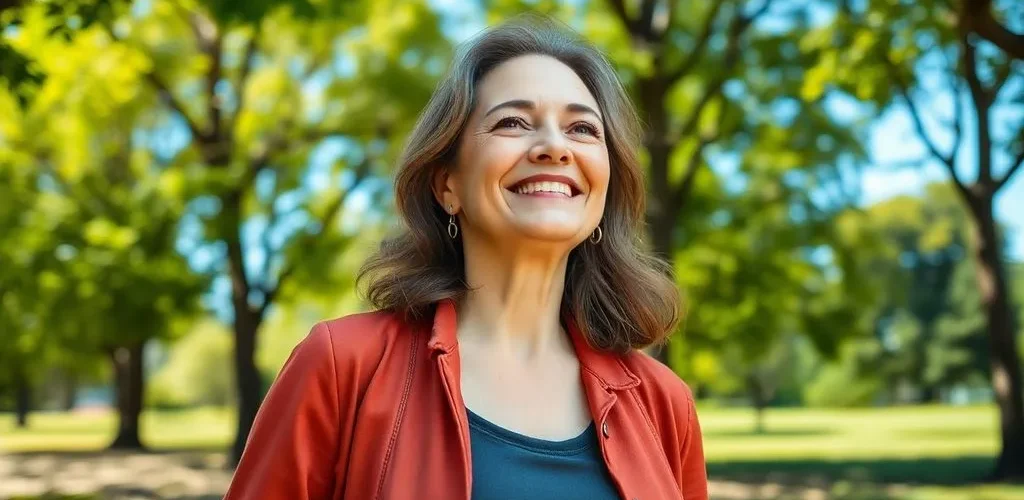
924	471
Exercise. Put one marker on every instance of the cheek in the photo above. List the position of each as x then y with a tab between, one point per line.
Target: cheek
596	167
484	163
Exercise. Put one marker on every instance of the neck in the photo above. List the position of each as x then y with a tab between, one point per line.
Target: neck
515	297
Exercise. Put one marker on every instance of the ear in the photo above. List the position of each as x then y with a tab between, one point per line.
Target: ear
443	184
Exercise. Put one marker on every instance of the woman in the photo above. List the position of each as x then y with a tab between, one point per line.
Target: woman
502	361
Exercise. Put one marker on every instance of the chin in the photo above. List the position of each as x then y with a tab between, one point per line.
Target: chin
551	233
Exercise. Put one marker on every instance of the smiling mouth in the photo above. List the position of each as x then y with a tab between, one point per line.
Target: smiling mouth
545	189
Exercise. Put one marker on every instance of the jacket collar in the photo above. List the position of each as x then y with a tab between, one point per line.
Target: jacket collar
607	368
442	333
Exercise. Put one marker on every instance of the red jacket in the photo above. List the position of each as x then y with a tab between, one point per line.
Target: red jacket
369	407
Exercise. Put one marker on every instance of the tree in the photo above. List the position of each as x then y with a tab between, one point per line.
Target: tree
23	339
282	134
887	53
928	321
109	211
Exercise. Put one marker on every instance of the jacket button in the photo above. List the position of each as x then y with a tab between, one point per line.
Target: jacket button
604	430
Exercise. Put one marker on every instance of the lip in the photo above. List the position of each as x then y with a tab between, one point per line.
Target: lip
548	178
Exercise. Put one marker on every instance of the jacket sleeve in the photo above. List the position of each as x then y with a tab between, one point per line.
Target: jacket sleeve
292	449
693	477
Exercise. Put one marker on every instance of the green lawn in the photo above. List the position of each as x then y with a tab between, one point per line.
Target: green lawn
896	453
907	453
204	428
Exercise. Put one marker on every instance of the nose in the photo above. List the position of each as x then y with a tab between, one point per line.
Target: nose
551	148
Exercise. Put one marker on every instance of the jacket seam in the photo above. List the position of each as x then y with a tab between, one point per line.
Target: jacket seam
654	431
401	415
647	416
337	392
690	408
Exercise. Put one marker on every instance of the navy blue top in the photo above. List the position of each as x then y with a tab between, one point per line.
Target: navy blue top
509	465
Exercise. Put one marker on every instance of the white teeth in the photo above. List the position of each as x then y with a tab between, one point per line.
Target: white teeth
546	187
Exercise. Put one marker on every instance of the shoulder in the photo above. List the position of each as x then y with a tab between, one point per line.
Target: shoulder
669	404
351	345
359	336
658	378
663	393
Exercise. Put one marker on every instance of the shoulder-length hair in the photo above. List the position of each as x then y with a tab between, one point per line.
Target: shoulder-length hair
619	296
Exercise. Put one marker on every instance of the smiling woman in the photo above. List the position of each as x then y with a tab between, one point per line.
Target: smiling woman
502	360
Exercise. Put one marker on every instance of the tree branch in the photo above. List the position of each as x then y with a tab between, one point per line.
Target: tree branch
977	17
197	131
1014	167
645	22
268	249
243	75
980	98
619	7
210	42
904	91
269	296
736	28
958	121
713	90
680	192
1002	75
758	13
362	171
697	52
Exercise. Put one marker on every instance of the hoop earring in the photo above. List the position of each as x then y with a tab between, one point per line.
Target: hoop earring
453	228
598	233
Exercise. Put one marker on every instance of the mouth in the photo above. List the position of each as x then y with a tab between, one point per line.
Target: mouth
546	186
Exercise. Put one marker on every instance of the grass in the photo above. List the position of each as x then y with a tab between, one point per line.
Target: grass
895	453
907	453
891	433
202	428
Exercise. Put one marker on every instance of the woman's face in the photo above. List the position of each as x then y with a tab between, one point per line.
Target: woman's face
532	162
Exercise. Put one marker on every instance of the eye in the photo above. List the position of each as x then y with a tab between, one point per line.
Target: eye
510	122
585	128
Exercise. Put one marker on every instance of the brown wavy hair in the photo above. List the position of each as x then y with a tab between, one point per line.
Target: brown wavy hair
620	296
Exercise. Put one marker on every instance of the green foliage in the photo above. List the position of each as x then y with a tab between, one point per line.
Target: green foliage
197	372
91	227
929	324
842	383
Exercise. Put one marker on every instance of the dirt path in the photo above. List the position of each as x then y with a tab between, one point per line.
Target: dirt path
115	475
201	475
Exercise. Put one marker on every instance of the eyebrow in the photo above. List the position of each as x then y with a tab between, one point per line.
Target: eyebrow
525	105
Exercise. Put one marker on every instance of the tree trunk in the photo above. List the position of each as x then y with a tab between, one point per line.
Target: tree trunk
128	382
246	324
247	378
70	391
758	401
1005	364
929	394
22	397
661	225
662	212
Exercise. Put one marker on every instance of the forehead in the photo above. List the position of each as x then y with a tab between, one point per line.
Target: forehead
542	79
